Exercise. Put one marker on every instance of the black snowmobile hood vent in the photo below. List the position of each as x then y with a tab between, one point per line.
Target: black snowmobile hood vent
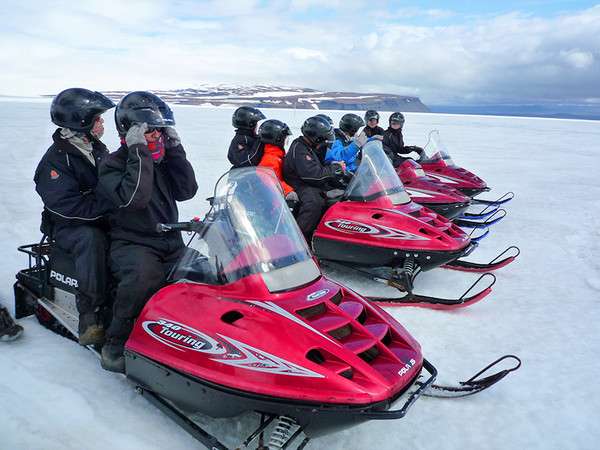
312	311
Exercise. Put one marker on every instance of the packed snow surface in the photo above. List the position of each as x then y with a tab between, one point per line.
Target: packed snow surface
543	308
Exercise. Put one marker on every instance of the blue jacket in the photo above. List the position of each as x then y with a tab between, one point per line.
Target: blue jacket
343	149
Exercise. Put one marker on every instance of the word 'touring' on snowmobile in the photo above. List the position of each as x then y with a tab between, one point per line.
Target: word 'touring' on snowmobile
248	323
376	224
440	166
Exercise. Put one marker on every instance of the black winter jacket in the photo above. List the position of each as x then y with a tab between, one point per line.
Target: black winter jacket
302	167
393	145
145	194
245	149
66	180
370	132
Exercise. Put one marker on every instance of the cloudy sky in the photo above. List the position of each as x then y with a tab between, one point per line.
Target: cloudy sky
459	52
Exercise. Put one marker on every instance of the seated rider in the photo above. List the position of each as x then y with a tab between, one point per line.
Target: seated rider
273	134
393	141
372	120
307	175
245	148
346	148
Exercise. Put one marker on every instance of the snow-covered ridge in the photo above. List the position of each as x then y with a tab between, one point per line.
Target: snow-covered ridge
267	96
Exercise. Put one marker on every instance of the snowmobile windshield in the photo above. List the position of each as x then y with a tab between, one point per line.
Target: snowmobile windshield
248	230
375	177
436	151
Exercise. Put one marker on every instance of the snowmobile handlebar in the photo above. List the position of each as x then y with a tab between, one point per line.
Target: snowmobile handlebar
400	413
194	225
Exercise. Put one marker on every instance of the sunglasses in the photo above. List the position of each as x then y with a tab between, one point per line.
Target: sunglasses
153	129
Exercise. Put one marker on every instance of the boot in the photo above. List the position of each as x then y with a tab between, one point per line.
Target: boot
91	322
112	355
91	329
9	330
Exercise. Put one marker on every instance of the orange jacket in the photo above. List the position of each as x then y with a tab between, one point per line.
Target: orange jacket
273	158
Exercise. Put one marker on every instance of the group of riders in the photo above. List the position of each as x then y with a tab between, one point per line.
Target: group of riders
103	207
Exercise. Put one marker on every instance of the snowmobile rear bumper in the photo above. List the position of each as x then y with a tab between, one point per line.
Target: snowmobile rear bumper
194	395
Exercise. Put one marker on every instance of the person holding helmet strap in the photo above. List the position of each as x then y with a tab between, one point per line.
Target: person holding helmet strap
144	179
245	148
307	175
73	218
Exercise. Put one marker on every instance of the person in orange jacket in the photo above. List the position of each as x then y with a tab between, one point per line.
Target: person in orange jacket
273	133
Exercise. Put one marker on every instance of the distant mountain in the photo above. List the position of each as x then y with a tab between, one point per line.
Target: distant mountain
285	97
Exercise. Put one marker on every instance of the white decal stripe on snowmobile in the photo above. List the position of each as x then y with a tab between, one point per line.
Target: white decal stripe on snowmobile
420	193
262	361
282	312
444	177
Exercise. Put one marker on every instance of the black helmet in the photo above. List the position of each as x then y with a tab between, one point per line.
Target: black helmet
246	117
371	114
350	123
142	107
77	108
327	118
397	117
274	132
317	130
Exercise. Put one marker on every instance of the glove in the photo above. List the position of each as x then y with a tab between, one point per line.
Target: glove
334	193
292	197
172	139
135	135
377	137
360	140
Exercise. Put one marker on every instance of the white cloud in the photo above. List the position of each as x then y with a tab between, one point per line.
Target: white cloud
161	44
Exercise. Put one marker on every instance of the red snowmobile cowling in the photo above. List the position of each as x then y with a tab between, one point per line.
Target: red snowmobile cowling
440	167
422	189
377	224
249	323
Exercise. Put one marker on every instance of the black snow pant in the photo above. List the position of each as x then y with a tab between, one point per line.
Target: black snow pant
140	271
310	210
89	247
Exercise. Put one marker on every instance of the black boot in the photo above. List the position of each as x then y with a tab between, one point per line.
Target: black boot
116	336
9	330
112	356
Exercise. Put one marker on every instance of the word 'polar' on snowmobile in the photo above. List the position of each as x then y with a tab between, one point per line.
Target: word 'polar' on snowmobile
248	323
445	200
438	164
377	225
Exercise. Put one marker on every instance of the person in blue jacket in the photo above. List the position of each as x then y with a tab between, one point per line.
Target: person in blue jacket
74	212
346	146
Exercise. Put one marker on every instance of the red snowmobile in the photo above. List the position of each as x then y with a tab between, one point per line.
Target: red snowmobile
445	200
377	225
249	323
440	166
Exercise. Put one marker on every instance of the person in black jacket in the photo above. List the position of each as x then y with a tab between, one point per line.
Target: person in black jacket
372	120
303	170
73	217
144	179
245	148
393	141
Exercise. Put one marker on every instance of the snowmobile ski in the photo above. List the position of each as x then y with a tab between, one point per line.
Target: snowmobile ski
492	219
499	201
479	233
487	211
402	281
503	259
474	384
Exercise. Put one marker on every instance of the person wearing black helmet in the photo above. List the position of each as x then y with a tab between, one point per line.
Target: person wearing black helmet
73	218
307	175
273	134
245	148
322	149
393	141
346	148
372	121
144	179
